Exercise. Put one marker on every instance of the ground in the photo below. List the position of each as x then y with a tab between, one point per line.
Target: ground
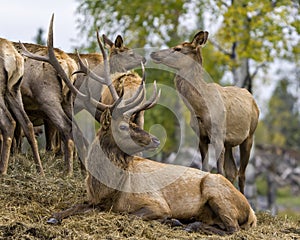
27	200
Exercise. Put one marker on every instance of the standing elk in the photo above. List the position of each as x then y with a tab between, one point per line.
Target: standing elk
11	105
121	182
47	100
226	116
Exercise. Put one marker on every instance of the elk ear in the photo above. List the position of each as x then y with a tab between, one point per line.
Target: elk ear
200	38
119	42
107	42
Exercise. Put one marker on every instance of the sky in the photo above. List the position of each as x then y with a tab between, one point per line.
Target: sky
21	19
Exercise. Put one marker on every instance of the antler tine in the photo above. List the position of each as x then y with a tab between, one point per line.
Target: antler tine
84	68
137	98
98	105
107	71
146	105
137	93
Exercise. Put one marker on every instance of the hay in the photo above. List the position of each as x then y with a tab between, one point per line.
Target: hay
27	200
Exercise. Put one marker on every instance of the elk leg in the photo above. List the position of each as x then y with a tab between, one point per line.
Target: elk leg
57	217
229	165
203	147
207	229
7	125
245	149
63	124
50	135
153	211
16	146
16	106
220	151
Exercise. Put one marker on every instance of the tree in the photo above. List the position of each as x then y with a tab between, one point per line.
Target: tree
253	33
39	38
283	119
246	36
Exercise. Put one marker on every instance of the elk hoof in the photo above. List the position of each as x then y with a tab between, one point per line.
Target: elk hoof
53	221
193	227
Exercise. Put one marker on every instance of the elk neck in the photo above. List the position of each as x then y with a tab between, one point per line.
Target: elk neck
189	82
111	149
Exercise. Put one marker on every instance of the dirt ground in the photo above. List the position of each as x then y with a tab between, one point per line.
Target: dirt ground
28	200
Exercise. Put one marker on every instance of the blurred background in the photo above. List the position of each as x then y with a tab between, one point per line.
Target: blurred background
252	44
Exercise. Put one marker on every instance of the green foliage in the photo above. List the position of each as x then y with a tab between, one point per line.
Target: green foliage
257	30
39	38
283	120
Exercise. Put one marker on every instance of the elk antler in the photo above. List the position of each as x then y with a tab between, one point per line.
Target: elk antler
51	59
127	108
106	80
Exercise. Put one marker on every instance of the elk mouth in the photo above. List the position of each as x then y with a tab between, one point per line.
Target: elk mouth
153	145
155	58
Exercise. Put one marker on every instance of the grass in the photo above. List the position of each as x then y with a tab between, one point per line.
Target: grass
27	200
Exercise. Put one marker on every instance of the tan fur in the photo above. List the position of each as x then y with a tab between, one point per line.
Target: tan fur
223	116
151	190
185	193
11	73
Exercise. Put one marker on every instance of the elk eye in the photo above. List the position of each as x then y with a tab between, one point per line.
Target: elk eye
123	127
177	49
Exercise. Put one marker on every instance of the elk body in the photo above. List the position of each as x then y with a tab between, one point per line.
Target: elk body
47	99
121	182
11	105
224	116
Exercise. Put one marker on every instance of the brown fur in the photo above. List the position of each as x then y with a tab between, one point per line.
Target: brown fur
11	105
223	116
151	190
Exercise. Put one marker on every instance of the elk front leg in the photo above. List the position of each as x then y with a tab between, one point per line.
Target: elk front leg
57	217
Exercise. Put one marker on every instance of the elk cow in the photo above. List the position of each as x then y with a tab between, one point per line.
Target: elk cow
225	116
11	105
121	182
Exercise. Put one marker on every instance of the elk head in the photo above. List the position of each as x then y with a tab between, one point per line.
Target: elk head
121	58
182	55
117	127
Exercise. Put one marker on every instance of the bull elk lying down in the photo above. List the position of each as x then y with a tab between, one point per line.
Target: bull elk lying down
121	182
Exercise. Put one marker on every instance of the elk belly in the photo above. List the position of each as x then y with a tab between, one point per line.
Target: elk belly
184	195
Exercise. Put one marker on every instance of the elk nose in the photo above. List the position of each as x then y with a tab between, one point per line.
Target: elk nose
156	141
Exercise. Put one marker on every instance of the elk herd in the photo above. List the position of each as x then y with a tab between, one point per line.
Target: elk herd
40	85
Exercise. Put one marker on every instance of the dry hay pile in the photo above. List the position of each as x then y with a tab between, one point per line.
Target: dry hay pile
27	200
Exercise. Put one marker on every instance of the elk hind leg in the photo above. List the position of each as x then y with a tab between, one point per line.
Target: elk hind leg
7	125
245	149
230	167
203	147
